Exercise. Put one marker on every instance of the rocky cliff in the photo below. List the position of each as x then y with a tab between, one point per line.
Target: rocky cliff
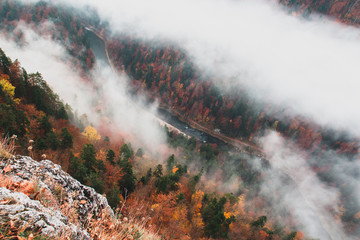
39	198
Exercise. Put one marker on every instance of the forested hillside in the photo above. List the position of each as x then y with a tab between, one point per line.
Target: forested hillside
164	197
182	195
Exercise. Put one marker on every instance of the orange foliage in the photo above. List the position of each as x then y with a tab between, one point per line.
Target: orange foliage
197	223
162	215
175	169
263	235
299	235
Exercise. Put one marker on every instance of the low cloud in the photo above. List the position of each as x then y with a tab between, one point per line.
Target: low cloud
132	115
41	54
106	97
311	66
294	188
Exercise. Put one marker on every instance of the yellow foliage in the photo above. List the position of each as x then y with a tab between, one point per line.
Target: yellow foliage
8	89
156	205
196	200
227	215
175	169
91	133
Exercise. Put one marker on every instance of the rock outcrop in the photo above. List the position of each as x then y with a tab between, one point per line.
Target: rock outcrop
21	209
20	213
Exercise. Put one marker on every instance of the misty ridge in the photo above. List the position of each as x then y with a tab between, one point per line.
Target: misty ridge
285	84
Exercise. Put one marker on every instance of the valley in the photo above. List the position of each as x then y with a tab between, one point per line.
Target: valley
190	129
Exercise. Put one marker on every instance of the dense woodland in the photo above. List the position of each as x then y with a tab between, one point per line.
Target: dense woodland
173	198
167	195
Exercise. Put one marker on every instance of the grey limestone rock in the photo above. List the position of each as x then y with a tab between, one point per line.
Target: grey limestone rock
49	176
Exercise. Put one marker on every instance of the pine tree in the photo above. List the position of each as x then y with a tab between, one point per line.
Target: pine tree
114	196
67	139
127	182
110	156
45	125
170	163
52	140
88	154
216	225
77	169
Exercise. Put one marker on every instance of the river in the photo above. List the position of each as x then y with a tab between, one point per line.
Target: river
98	48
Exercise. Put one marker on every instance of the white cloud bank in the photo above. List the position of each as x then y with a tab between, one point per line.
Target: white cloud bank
311	66
309	201
109	90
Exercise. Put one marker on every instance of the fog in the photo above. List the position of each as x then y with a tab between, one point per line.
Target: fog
311	66
292	186
105	100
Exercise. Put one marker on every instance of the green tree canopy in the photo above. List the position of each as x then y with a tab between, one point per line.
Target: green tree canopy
67	139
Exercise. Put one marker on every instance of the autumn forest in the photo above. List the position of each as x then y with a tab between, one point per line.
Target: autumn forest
187	188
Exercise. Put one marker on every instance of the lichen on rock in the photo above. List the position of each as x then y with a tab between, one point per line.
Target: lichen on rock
40	197
19	213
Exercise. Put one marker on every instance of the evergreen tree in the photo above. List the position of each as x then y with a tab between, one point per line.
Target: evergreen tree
170	163
96	183
127	182
45	125
40	144
77	169
67	139
259	223
139	152
145	179
61	113
110	156
113	196
162	183
216	225
126	152
88	154
291	236
52	140
158	171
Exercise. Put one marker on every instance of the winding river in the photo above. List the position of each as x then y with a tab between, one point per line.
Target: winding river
98	48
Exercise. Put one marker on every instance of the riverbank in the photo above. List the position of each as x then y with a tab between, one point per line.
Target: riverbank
208	134
238	144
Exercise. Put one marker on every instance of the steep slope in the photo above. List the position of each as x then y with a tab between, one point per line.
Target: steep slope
34	196
40	199
184	90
